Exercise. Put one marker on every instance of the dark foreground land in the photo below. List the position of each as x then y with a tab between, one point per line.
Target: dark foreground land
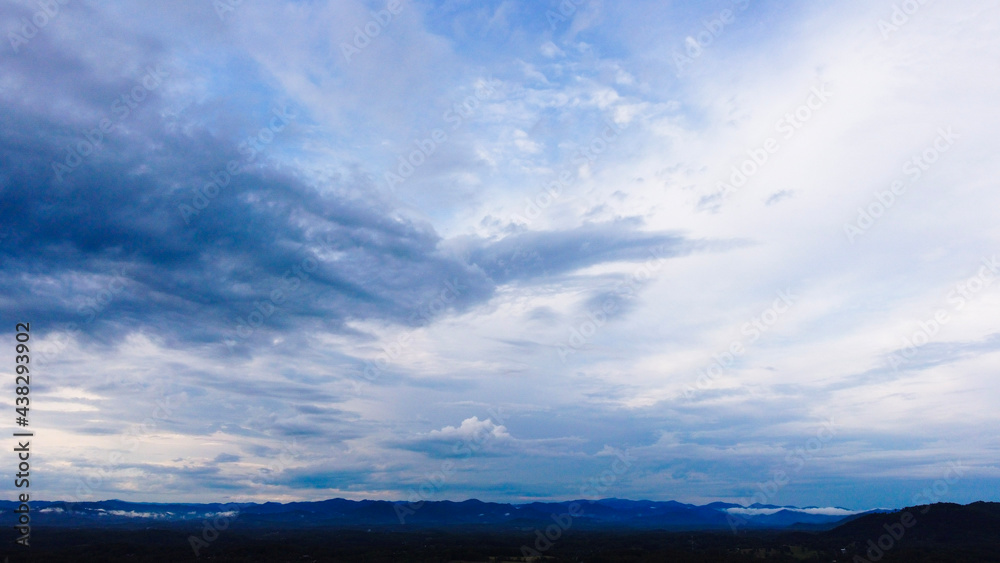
939	533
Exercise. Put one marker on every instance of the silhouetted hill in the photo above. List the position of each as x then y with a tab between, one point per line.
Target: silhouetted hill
912	533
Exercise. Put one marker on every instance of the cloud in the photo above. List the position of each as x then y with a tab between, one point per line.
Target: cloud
242	313
828	511
471	437
779	196
530	255
121	242
475	438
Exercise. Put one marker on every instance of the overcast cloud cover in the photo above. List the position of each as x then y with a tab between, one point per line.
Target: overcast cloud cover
486	249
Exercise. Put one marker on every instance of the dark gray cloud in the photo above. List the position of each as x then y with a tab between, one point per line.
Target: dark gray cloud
530	255
113	231
271	242
112	225
121	241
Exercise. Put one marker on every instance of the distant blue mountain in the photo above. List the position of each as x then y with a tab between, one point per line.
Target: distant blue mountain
341	513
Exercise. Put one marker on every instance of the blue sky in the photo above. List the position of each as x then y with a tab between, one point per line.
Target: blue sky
296	250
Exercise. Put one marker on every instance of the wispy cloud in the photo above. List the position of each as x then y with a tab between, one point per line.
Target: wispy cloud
195	218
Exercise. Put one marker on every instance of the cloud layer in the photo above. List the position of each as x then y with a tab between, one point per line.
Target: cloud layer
745	252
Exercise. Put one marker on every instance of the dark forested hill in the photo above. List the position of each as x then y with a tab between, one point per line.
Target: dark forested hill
616	531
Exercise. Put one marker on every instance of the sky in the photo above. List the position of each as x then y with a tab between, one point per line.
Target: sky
277	250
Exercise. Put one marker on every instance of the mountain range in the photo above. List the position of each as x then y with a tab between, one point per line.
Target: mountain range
610	530
341	513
